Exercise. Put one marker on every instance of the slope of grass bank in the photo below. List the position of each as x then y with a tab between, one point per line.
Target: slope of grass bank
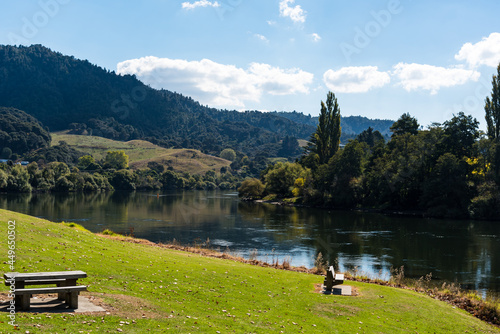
141	152
162	290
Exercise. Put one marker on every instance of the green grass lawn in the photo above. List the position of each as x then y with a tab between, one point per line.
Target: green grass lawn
141	152
153	289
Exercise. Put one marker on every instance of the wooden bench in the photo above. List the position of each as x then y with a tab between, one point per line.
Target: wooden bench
65	282
332	279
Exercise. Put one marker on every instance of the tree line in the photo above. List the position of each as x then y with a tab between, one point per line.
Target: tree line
447	170
112	173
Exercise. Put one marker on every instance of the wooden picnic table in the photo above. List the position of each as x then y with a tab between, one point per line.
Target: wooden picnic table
65	281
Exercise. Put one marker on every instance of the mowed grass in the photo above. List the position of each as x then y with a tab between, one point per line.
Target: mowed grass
153	289
140	152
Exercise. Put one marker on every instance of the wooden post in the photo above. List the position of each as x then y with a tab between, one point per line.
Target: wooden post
329	279
25	302
19	299
66	295
72	300
61	295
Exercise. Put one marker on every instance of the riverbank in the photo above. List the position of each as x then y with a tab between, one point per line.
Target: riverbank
146	287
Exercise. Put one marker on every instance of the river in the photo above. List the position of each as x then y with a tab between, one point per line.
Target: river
466	252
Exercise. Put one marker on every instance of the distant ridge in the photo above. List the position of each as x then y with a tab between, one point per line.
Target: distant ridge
351	125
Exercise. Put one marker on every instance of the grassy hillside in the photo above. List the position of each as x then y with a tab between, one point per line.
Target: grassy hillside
159	290
303	142
140	152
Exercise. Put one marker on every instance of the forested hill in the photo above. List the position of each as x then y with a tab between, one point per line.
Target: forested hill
67	93
20	133
64	92
351	125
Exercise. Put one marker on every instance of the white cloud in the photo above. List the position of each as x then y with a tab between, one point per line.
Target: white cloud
296	14
432	78
262	38
486	52
355	79
277	81
215	84
201	3
316	37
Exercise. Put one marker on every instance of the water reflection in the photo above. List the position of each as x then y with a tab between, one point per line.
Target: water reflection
462	251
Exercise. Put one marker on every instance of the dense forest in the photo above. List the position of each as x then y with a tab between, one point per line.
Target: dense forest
20	133
447	170
66	93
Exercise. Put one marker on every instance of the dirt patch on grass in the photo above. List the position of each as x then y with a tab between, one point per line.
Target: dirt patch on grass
128	307
333	311
88	304
319	288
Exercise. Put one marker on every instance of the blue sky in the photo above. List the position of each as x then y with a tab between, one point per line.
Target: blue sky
380	58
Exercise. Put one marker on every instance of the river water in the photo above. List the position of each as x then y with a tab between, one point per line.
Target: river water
466	252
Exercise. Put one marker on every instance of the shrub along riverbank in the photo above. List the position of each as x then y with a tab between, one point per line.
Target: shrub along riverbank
146	287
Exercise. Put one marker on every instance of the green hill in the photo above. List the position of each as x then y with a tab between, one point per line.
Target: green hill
146	288
141	152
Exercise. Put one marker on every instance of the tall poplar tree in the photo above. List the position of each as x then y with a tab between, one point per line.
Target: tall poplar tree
325	140
492	108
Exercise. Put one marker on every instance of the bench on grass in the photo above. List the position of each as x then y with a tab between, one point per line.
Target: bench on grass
332	279
65	282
